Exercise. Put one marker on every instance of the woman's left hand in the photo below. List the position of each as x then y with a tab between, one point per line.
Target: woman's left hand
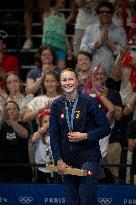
77	136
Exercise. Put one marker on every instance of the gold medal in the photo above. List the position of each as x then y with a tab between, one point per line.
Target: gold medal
77	114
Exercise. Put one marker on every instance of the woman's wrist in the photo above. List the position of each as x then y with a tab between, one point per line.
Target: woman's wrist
42	130
39	81
84	136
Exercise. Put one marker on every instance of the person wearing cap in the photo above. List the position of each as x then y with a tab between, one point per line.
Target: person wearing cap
7	62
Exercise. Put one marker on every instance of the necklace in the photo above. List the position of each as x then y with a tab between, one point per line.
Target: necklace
70	101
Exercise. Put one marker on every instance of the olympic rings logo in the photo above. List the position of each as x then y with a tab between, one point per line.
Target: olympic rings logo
105	201
25	199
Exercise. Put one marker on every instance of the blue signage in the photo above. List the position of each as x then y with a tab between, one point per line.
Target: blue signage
37	194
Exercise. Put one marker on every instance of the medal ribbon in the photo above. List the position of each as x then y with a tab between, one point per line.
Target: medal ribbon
70	118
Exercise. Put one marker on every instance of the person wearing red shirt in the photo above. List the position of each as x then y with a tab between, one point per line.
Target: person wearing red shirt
7	62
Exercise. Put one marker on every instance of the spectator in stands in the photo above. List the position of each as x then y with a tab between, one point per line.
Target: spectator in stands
54	31
104	39
46	61
86	16
28	18
130	109
42	6
99	91
14	136
83	67
110	100
123	14
15	91
72	14
125	66
131	136
96	87
50	87
51	91
41	142
7	62
125	70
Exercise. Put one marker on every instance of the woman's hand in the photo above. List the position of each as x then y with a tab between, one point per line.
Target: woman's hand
42	76
118	112
101	90
77	136
43	130
3	94
61	165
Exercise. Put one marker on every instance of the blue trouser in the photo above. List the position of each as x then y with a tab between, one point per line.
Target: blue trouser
83	190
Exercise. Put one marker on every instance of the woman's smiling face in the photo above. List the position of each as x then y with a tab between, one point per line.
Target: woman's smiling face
83	62
50	83
69	81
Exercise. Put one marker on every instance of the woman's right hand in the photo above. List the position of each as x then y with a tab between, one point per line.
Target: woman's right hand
100	89
61	165
3	94
42	76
